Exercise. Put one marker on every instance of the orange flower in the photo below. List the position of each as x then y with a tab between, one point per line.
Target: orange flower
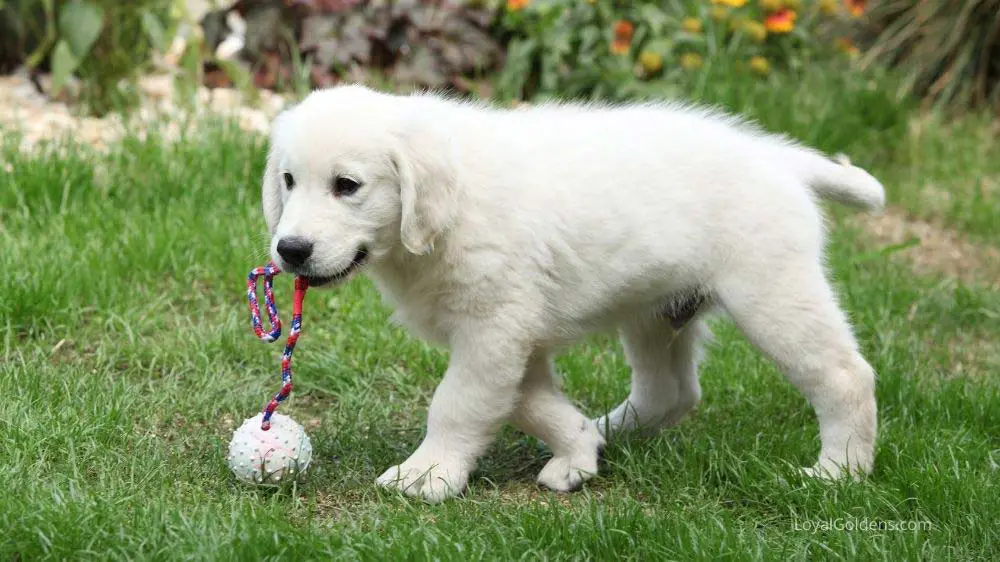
515	5
782	21
856	7
622	40
623	30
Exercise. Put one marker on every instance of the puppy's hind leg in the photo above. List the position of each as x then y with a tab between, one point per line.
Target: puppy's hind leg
544	412
791	314
664	360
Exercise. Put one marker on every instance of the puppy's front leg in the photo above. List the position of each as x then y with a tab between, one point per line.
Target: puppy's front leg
475	398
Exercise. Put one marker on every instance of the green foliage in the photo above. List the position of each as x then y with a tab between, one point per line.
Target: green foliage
79	25
106	43
948	50
615	49
124	48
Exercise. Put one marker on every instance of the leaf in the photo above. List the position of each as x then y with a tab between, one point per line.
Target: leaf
64	62
80	24
325	6
887	250
154	30
663	47
514	75
590	36
654	17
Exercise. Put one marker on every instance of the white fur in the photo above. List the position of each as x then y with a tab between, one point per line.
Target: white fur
505	234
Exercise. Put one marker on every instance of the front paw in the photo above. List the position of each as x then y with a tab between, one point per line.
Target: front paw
433	480
829	469
567	472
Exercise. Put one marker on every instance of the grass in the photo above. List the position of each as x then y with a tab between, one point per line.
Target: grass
127	360
950	174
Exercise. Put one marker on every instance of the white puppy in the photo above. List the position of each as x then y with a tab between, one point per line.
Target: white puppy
506	234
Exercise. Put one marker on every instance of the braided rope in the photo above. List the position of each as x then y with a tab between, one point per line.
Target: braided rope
268	272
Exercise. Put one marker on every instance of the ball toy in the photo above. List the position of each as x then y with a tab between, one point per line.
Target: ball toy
272	448
280	454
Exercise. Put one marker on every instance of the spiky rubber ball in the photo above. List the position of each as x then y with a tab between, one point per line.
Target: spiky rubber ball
272	457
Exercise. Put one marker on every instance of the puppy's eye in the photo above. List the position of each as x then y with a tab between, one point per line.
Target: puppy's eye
345	185
289	180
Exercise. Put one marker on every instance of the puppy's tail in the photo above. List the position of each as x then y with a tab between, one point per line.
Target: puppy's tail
840	181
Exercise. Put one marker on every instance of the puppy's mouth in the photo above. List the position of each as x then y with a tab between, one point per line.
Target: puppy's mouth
319	280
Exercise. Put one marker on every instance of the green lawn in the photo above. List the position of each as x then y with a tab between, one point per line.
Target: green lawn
127	359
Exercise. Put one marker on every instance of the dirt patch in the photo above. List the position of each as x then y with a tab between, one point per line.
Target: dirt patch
940	251
971	356
38	118
523	493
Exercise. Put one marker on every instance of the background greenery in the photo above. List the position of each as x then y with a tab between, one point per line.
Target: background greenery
126	358
947	51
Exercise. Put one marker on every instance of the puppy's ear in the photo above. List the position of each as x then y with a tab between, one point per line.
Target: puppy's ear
428	185
271	184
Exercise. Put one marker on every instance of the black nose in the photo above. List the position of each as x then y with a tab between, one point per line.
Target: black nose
295	250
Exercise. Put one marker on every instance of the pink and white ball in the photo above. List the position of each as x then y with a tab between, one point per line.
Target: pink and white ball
277	455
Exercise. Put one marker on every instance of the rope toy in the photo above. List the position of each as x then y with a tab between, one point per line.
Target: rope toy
268	272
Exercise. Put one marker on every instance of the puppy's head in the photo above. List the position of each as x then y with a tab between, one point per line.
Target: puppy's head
352	175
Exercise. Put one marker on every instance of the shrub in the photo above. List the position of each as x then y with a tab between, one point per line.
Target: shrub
616	49
948	50
106	42
122	51
434	44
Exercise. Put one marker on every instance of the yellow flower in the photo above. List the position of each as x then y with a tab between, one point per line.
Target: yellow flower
782	21
755	31
829	7
516	5
771	5
692	25
731	3
651	62
719	13
691	61
760	66
793	4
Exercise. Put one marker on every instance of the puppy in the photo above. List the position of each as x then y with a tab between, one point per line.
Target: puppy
507	234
